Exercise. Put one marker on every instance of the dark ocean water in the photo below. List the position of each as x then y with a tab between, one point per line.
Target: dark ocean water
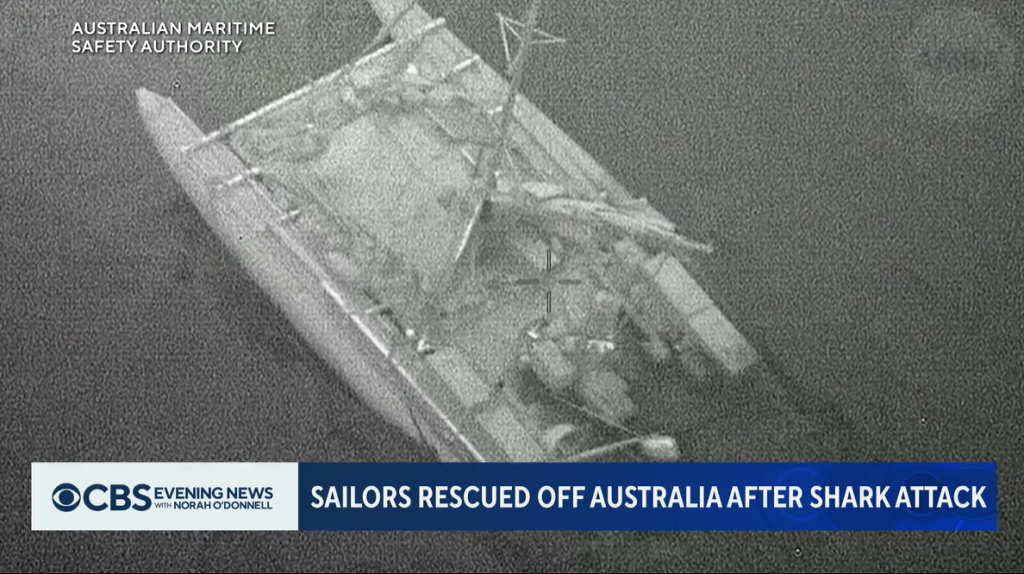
873	241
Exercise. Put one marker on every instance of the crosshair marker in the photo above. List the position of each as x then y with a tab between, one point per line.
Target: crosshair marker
547	281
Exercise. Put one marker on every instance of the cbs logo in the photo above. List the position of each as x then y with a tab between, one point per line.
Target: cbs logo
66	497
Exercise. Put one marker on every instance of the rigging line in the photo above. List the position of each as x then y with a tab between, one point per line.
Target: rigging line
587	412
310	74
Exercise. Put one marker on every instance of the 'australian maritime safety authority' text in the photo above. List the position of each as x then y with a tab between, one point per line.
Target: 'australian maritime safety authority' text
911	497
164	37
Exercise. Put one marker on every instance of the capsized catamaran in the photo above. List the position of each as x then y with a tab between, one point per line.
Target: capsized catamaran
473	273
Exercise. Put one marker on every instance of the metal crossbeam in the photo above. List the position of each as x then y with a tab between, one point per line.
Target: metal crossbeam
245	176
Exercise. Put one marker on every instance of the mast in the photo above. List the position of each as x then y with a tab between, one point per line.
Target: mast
508	109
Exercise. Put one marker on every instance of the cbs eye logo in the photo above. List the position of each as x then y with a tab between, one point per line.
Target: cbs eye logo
66	497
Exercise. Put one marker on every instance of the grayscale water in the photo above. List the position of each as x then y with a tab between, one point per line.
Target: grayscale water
858	165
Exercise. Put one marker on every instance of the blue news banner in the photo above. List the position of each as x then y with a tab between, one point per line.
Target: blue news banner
641	496
514	496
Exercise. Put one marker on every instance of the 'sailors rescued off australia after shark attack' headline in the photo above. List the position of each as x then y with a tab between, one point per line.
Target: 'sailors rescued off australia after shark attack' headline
663	497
